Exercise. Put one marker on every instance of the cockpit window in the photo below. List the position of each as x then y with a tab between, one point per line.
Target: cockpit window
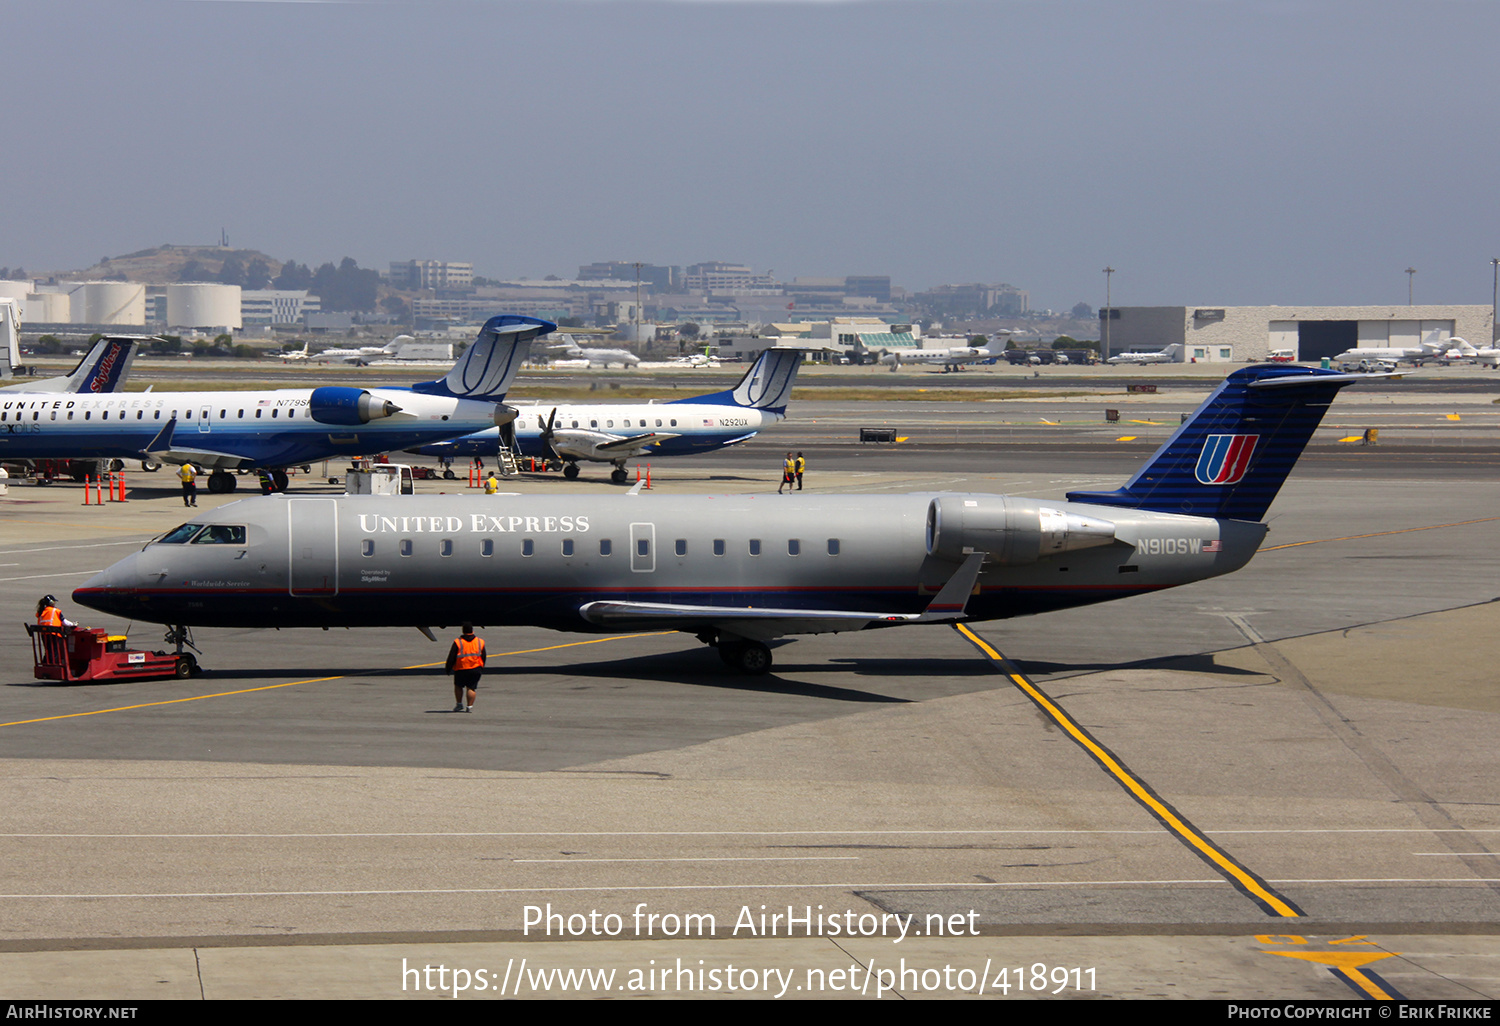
180	535
221	534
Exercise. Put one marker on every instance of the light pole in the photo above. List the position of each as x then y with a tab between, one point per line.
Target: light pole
1494	299
1411	274
1108	310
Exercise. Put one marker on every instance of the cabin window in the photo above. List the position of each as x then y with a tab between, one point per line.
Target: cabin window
794	546
34	416
718	546
445	547
487	547
405	548
575	423
605	546
54	414
833	546
567	547
367	547
674	421
70	414
291	413
754	546
223	414
274	413
221	534
241	415
257	414
681	546
643	546
593	423
609	423
139	414
658	422
86	415
528	546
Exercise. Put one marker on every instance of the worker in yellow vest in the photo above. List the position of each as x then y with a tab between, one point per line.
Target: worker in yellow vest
492	484
466	660
188	475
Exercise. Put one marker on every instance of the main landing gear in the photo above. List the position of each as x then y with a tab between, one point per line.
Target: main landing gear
221	482
570	471
743	654
619	475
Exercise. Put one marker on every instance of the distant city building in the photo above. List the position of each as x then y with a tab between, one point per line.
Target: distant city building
1221	334
431	274
726	279
972	301
658	278
277	306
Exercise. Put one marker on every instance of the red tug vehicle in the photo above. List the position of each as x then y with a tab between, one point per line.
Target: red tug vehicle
72	653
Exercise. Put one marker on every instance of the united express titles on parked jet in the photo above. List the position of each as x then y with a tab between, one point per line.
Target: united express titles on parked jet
227	431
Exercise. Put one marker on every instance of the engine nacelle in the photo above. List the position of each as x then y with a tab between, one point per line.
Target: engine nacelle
336	404
1012	531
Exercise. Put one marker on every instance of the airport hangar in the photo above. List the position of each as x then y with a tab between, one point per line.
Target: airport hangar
1240	334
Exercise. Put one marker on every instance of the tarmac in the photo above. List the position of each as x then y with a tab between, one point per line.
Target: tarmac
1278	784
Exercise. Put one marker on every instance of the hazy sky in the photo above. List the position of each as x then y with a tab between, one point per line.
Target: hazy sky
1212	151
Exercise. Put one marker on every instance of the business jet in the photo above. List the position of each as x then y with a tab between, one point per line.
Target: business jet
623	431
401	349
736	571
1167	355
570	349
1462	350
1415	355
952	358
225	431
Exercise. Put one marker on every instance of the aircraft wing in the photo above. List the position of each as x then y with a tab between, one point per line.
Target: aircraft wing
632	441
764	624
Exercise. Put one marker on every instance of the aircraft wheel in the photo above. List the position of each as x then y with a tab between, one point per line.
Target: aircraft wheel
150	465
184	668
618	475
220	482
570	471
449	475
116	465
278	478
753	658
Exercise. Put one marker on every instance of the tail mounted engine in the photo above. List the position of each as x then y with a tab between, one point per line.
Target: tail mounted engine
334	404
1012	531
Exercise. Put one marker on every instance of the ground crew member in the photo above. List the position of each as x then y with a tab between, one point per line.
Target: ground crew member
466	662
47	613
491	484
788	472
801	466
188	474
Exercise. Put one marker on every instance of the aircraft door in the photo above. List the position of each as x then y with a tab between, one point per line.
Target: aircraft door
313	536
643	548
204	416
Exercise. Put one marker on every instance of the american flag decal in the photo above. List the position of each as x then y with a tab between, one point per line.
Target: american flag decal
1224	459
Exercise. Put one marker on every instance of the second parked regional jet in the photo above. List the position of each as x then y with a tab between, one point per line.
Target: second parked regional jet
104	369
623	431
227	431
737	571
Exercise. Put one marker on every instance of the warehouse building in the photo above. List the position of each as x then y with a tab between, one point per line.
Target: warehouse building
1240	334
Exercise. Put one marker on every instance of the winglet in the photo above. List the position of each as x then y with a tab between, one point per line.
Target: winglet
953	599
163	440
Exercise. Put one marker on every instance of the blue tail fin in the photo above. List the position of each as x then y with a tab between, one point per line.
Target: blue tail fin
488	367
767	385
104	369
1231	457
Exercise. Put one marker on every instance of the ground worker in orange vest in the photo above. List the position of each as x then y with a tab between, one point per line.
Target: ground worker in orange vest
466	662
47	613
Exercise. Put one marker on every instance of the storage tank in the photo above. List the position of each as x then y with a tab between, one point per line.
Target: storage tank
203	305
109	302
48	308
17	290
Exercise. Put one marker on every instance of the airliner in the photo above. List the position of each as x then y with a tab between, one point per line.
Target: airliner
226	431
623	431
102	370
736	571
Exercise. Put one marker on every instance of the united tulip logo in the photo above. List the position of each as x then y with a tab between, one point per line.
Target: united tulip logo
1224	459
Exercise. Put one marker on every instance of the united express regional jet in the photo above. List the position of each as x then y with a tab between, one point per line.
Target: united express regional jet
737	571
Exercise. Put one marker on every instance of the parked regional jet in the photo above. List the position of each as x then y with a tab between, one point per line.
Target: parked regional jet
276	429
1167	355
623	431
102	370
1462	350
737	571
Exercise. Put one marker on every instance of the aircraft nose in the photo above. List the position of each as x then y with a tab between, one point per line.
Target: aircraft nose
112	589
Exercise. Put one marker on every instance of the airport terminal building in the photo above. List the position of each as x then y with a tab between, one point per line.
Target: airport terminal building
1237	334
